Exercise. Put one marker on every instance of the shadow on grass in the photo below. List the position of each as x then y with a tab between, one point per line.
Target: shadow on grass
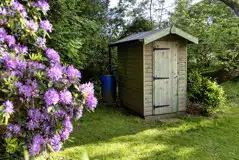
109	133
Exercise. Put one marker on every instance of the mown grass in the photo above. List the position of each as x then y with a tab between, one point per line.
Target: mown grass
112	133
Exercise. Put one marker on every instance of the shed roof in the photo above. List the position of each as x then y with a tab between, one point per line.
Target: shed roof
150	36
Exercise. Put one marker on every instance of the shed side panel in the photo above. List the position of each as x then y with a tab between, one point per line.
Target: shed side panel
130	72
182	75
148	79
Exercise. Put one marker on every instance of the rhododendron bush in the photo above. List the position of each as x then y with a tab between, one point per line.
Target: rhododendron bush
40	97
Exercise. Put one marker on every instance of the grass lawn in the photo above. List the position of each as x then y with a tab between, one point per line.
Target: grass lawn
111	133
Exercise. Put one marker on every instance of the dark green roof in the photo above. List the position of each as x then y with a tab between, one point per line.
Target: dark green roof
150	36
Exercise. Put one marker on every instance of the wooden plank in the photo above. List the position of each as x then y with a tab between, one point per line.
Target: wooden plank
130	67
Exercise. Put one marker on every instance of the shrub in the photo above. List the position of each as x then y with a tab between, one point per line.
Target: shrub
204	95
40	97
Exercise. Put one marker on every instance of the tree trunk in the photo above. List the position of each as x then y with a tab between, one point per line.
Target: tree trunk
233	4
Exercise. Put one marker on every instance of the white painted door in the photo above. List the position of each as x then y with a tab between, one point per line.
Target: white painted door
165	81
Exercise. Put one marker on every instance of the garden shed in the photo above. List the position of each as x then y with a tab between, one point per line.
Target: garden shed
152	71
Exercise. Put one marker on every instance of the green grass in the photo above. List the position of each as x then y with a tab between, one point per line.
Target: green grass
112	133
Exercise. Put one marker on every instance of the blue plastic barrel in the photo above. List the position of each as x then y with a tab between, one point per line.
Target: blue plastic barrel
108	88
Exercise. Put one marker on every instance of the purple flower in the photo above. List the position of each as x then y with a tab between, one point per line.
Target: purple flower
87	89
17	6
8	134
73	73
32	25
3	33
53	55
14	128
46	25
55	72
41	42
79	112
67	124
65	134
55	142
51	97
65	97
10	40
43	5
25	90
34	114
35	147
20	8
3	21
32	125
36	65
60	114
20	49
9	62
3	11
91	102
21	65
8	107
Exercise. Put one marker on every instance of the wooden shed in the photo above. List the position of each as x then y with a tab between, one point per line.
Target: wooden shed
152	70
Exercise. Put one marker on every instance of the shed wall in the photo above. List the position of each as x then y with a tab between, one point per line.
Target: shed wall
180	45
130	72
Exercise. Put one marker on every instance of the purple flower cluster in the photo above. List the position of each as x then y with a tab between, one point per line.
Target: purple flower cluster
65	97
73	73
35	147
51	97
43	5
19	8
53	55
31	25
10	40
20	49
55	142
87	90
41	43
91	102
79	112
3	11
68	128
8	107
13	129
55	72
45	92
29	89
3	33
46	25
34	119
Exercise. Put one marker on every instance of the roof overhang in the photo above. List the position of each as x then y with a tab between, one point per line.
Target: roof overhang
162	33
168	31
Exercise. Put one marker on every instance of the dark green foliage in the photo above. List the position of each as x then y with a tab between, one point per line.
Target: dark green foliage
217	28
139	24
204	95
79	32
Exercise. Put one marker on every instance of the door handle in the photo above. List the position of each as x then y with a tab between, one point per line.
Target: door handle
175	76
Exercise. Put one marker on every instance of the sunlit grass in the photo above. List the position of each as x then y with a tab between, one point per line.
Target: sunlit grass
111	133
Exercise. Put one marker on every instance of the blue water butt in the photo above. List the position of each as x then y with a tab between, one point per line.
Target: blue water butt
108	88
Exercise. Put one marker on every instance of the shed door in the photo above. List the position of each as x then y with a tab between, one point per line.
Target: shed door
165	81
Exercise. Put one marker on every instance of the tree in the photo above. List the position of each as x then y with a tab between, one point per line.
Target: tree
217	29
139	24
79	31
233	4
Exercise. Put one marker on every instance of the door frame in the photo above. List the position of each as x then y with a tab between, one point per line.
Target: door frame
177	82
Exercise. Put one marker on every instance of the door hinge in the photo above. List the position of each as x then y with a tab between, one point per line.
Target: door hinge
155	78
160	106
161	49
